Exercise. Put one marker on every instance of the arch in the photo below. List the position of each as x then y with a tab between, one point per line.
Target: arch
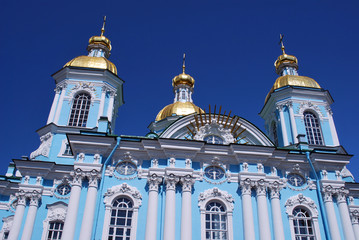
301	202
219	197
313	128
114	196
80	109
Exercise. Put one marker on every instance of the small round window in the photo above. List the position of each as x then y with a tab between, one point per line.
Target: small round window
126	168
214	172
295	180
63	189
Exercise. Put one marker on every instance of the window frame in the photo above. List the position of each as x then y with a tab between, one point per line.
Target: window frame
115	192
7	224
222	197
308	204
82	111
55	230
313	129
56	213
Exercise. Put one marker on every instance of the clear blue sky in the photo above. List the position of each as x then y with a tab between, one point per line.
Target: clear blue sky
230	45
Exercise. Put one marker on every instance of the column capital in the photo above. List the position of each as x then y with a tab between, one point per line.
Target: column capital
153	181
171	180
289	104
354	216
187	182
341	194
21	197
275	188
93	177
328	193
261	188
34	197
246	186
279	107
77	177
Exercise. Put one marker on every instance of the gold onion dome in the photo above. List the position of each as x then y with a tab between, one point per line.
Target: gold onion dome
96	60
178	108
183	78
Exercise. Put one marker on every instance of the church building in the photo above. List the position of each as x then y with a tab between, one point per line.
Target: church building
198	174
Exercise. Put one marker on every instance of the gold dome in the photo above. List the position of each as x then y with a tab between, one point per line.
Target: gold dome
293	80
102	40
178	108
183	78
92	62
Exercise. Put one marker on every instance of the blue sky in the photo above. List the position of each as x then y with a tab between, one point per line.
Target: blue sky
230	45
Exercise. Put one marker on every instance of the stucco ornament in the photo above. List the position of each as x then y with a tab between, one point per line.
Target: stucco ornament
124	189
215	193
346	173
215	129
44	147
300	200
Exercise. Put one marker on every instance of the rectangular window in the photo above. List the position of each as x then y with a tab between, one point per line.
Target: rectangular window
55	230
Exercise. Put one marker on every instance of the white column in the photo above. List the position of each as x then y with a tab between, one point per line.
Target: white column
333	130
31	215
331	217
170	209
59	105
276	211
102	103
246	187
355	222
90	206
344	214
110	106
19	214
71	215
186	214
262	209
283	126
292	122
53	106
152	209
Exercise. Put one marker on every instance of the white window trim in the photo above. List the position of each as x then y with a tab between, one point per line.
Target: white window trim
62	150
56	212
306	202
123	190
6	226
223	197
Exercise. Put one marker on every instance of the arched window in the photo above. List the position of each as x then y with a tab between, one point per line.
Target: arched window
121	219
121	212
274	132
303	225
216	221
55	230
312	128
80	110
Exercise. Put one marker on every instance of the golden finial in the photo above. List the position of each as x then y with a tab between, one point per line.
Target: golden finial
281	43
184	63
103	26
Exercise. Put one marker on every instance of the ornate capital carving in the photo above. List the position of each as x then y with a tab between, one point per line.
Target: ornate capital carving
21	198
354	215
342	194
77	177
93	178
279	107
328	193
187	182
275	188
171	181
246	186
289	104
153	182
34	197
261	188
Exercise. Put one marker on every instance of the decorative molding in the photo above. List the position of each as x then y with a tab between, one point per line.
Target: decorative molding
261	188
56	212
308	105
301	200
171	180
346	173
275	188
93	177
215	193
123	189
44	147
216	129
77	176
7	224
246	186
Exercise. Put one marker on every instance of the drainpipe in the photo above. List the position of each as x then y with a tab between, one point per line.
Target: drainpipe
320	197
99	196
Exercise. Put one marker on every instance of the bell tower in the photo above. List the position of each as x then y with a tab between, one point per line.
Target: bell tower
297	106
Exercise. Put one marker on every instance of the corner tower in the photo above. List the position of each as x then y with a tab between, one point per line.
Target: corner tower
297	106
88	94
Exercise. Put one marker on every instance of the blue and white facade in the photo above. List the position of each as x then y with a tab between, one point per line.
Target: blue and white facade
195	176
